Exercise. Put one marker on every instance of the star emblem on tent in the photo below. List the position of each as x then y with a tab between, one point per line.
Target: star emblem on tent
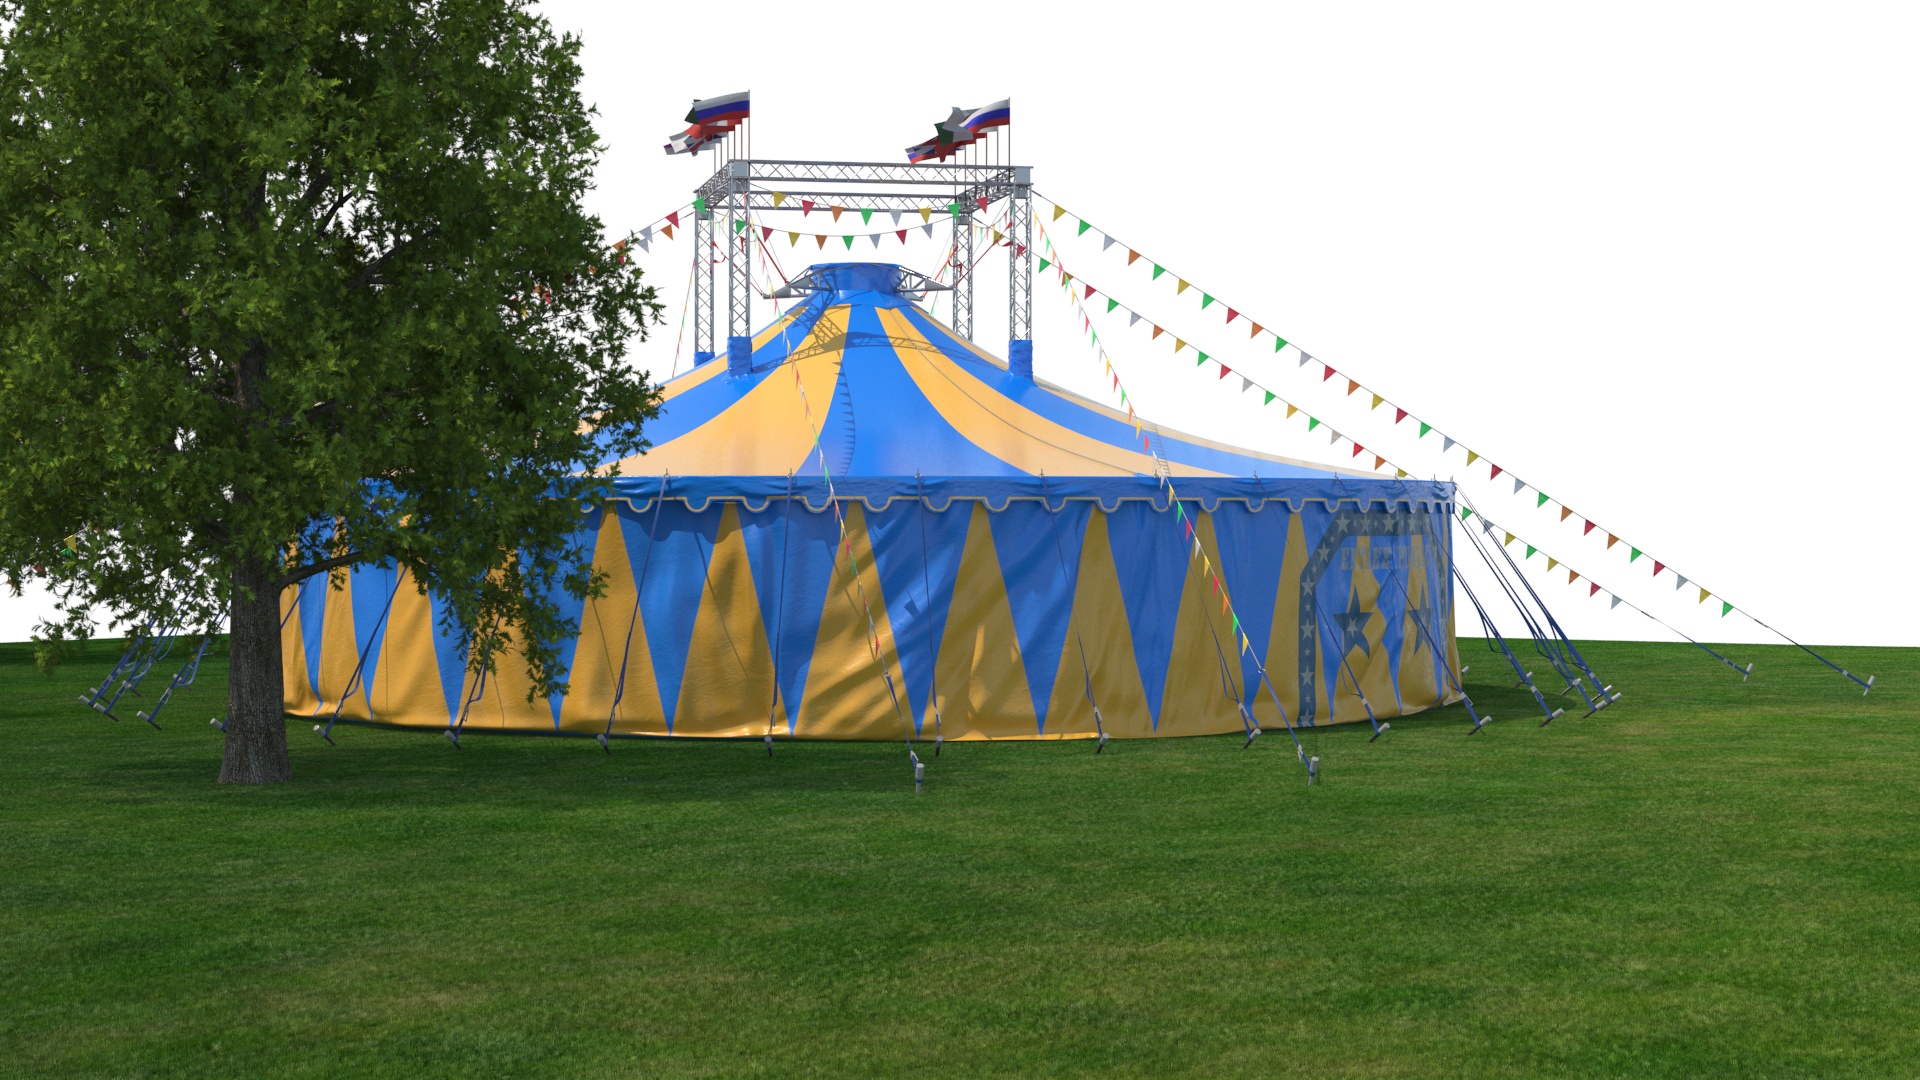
1353	627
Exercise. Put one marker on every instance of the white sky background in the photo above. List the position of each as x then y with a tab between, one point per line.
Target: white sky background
1657	259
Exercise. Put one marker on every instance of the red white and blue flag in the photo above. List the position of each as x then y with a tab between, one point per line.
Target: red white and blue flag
998	114
712	119
730	107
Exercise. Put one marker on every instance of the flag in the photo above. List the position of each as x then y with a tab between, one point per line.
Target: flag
696	138
727	107
998	114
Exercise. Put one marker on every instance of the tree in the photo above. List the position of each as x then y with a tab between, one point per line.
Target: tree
286	288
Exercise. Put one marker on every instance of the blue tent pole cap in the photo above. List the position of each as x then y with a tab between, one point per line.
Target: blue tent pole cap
1020	359
739	355
701	358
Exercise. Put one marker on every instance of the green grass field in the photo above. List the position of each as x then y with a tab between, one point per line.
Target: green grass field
1713	879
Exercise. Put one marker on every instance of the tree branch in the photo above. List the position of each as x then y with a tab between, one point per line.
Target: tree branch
295	577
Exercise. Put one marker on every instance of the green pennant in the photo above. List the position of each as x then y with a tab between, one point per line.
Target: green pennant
739	226
1204	301
1157	271
1044	263
1123	397
1542	502
1530	550
1424	428
1111	304
1236	624
1279	343
954	209
849	241
699	205
1312	422
1203	359
1465	513
1083	229
1635	555
866	217
1269	400
1724	608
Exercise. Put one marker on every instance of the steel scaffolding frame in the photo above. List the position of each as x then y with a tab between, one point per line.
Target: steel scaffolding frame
739	189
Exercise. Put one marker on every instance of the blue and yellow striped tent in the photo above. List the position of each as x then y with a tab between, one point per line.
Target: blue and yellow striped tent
863	481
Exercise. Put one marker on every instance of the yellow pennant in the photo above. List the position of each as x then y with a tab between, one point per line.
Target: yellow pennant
1183	287
1552	562
793	238
1291	409
1509	538
1703	596
1178	344
778	198
1057	211
998	236
926	215
1472	457
1400	474
1377	399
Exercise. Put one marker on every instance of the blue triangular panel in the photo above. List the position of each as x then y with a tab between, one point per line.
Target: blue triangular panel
917	552
1252	547
372	595
587	538
1390	562
448	657
1040	564
670	572
1150	557
790	550
313	624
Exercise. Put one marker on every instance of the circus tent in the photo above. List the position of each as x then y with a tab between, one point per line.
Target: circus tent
865	527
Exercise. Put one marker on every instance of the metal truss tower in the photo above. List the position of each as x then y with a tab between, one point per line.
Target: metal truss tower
744	188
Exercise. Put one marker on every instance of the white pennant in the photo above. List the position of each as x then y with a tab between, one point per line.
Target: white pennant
646	237
1447	447
1246	384
1680	584
1518	484
1332	436
875	237
1305	358
929	228
1106	241
896	218
1132	317
1615	604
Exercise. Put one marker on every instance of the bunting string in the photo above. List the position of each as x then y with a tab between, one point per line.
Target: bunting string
1353	386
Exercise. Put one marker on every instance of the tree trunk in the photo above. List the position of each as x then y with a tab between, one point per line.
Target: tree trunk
256	751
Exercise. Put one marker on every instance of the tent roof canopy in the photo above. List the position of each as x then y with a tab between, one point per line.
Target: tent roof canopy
860	380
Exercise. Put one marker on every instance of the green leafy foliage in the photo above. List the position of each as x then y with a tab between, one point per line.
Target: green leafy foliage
289	287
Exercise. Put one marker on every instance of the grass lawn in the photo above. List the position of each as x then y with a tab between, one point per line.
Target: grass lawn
1713	879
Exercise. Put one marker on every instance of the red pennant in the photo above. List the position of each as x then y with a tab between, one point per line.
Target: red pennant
766	231
1592	588
1089	292
806	207
1357	448
1225	371
1329	373
673	219
1116	382
1232	315
1399	415
1657	567
982	200
1496	471
1587	530
902	234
